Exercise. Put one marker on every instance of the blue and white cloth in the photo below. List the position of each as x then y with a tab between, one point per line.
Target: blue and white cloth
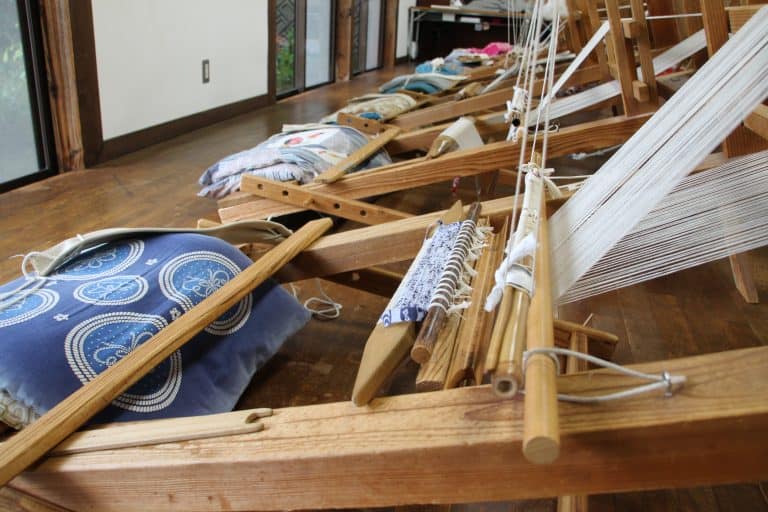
411	300
59	333
298	155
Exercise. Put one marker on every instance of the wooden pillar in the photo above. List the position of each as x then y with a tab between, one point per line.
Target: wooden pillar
390	33
635	95
740	142
62	83
343	40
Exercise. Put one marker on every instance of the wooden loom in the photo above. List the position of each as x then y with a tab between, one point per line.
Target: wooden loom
322	456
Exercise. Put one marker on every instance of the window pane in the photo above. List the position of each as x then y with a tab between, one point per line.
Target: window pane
318	44
285	45
18	142
372	37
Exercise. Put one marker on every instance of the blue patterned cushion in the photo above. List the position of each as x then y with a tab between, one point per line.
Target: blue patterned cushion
97	308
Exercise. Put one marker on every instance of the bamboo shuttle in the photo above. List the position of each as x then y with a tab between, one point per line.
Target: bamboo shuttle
541	426
53	427
474	332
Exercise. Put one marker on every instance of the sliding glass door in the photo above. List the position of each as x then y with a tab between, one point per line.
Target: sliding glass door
26	145
367	18
304	45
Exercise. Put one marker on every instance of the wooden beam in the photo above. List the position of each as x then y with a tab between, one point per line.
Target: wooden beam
757	121
390	34
740	142
740	14
401	176
493	99
338	455
302	197
343	40
62	83
13	500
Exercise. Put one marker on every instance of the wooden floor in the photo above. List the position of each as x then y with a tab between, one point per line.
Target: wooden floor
695	311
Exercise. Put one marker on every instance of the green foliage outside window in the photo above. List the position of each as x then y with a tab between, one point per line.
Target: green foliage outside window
286	55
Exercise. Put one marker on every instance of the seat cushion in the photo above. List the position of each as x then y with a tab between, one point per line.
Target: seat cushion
59	333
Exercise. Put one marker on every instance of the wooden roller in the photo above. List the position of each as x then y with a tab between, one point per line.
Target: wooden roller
541	425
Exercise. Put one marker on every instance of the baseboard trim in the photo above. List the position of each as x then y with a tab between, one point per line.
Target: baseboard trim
130	142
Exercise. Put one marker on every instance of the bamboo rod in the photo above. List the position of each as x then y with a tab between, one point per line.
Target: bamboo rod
34	441
436	316
497	335
541	429
474	331
508	377
433	374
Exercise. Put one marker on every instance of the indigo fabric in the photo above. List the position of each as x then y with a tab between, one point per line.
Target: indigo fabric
92	311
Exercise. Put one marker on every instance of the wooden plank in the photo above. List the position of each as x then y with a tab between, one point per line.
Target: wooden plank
34	441
738	15
301	197
359	156
365	125
127	434
757	121
401	176
338	455
13	500
343	40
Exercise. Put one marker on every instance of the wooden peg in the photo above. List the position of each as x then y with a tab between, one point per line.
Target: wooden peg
631	28
640	91
541	425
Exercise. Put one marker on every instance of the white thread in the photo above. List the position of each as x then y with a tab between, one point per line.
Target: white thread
664	381
332	309
661	153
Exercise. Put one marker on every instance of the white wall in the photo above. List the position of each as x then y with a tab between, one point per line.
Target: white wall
149	56
402	27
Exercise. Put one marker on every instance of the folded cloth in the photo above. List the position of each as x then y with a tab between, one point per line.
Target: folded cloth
427	83
375	106
298	155
58	332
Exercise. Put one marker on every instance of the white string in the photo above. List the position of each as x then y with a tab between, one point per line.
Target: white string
661	153
663	381
323	307
709	216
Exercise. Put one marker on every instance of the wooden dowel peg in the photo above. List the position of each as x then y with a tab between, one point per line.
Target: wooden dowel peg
541	426
54	426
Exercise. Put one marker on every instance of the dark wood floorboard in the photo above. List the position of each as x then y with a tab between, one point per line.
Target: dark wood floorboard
695	311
